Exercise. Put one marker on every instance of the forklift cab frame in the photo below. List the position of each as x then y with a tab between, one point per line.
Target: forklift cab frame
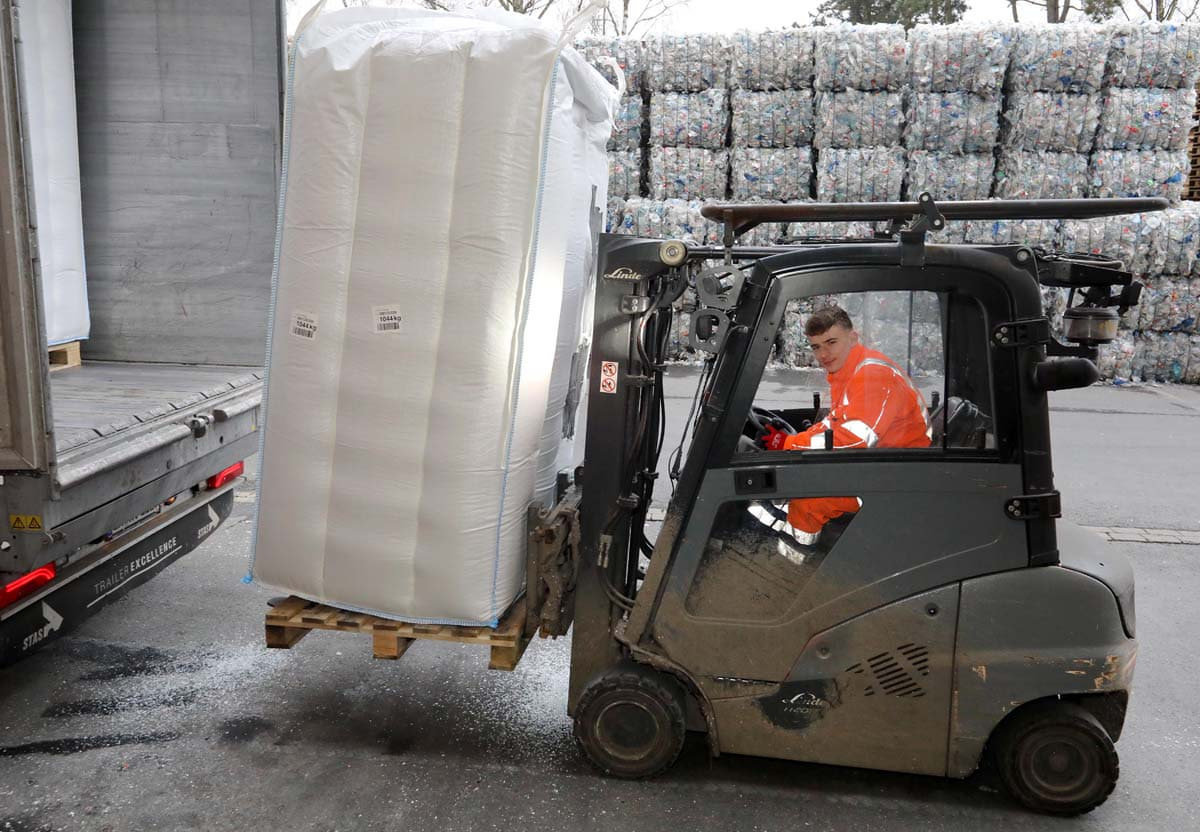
945	617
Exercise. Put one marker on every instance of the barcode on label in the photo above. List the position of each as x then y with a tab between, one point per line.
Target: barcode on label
304	325
387	319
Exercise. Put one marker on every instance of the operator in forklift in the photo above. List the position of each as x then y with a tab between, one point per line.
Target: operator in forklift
875	404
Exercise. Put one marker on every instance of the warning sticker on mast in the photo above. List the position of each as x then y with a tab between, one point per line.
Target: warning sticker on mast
608	376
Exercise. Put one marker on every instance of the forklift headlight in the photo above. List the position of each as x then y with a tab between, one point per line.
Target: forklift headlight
1090	325
672	253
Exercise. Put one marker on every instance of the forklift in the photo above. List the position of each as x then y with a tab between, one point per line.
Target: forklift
952	617
955	615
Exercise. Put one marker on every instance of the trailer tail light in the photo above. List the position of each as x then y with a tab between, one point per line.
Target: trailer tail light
26	584
233	471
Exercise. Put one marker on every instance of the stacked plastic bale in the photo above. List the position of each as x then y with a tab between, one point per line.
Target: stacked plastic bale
625	150
1148	109
620	61
772	116
687	79
1051	112
1163	327
860	73
1141	150
1160	250
953	115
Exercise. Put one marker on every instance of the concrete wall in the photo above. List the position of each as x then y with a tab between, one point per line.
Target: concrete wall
179	117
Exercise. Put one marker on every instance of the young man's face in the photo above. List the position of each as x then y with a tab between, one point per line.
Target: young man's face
832	347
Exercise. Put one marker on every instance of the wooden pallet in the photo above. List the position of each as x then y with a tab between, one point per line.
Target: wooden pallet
294	618
65	355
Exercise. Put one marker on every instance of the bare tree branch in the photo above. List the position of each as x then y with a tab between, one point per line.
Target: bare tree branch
652	10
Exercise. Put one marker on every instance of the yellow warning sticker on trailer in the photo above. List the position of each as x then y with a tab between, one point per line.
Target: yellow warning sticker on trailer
25	522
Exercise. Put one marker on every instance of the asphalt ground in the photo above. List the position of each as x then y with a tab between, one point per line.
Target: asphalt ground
165	711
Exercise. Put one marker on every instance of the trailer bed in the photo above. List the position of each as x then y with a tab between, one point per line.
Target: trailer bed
101	398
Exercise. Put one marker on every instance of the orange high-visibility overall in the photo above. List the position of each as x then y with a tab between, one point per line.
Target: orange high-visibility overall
875	405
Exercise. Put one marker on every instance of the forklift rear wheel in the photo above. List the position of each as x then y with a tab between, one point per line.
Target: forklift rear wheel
1057	758
630	722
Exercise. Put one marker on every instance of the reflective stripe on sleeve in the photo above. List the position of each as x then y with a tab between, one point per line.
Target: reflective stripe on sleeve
863	431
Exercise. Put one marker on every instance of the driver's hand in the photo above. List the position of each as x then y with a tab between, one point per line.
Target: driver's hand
773	438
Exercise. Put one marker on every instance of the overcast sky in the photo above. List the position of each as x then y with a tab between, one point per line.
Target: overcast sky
730	15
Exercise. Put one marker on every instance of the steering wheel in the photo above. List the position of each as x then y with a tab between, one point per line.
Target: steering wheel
760	417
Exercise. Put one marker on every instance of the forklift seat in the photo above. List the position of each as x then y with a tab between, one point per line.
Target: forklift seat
959	424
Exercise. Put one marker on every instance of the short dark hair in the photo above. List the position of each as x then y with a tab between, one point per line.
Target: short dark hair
825	318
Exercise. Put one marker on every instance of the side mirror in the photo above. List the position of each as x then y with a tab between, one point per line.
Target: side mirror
1065	374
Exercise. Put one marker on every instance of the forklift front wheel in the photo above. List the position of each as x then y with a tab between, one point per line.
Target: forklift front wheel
1057	758
630	722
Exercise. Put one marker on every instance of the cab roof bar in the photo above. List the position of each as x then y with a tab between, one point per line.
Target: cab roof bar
741	218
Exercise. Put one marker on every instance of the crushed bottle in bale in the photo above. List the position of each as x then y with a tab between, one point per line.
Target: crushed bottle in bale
858	118
860	57
874	174
1031	174
772	60
1136	173
952	122
697	119
688	173
780	174
950	175
772	119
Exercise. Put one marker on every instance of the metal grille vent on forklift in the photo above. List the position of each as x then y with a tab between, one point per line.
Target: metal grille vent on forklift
896	675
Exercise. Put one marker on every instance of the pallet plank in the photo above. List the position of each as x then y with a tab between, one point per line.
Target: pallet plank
351	620
320	615
286	609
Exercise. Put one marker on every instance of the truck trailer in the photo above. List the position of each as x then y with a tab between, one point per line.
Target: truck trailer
113	467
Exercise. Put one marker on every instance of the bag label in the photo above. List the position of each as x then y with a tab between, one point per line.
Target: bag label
388	320
304	326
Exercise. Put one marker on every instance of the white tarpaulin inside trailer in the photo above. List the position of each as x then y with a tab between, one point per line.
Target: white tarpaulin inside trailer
440	168
48	75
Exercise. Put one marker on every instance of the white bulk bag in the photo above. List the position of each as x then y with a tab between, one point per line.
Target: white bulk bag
563	427
48	77
431	197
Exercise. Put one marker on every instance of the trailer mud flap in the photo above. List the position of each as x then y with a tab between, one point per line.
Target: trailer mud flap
62	609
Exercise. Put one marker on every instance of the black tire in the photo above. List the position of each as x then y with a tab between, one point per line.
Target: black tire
630	722
1057	758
